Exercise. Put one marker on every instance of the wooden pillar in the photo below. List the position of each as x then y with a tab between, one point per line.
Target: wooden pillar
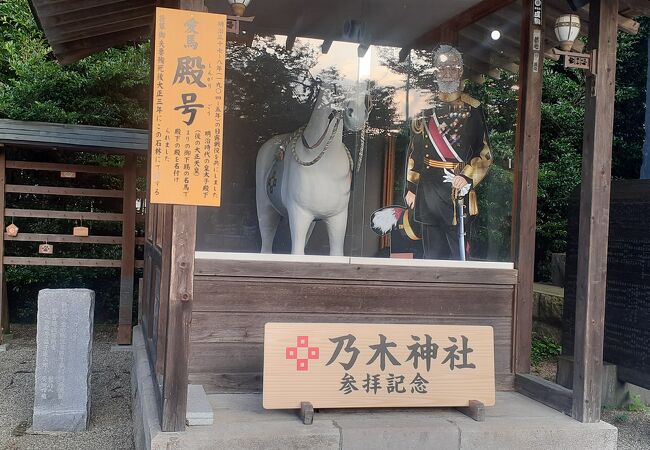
524	216
594	214
124	329
4	301
179	317
179	312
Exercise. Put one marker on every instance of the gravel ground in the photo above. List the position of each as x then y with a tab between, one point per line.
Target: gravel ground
110	418
633	427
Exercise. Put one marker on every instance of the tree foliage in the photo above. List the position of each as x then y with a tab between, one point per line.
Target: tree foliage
110	88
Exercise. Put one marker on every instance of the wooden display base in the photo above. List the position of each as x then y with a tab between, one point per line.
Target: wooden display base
306	413
475	410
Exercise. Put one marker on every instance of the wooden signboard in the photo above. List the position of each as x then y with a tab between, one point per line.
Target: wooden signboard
188	100
369	365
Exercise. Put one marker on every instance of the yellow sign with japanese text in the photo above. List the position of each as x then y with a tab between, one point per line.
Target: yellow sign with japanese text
188	100
345	365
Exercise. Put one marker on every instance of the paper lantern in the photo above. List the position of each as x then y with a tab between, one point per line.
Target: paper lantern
567	29
239	6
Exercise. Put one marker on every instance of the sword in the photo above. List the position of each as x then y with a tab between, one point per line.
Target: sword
461	227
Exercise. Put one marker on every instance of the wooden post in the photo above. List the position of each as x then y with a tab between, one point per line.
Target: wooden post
179	317
524	214
594	214
179	312
165	276
4	301
124	329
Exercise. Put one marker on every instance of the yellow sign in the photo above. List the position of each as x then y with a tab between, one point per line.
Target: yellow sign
367	365
188	98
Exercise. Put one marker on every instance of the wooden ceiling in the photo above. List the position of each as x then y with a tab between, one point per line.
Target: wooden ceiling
78	28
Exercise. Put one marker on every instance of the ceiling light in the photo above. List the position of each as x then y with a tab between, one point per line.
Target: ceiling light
495	35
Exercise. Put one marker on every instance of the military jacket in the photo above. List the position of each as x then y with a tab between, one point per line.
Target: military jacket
449	138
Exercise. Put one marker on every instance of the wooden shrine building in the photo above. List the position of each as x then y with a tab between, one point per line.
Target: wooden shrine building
203	313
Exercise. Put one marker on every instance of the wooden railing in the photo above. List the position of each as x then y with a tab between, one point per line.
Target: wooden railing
127	241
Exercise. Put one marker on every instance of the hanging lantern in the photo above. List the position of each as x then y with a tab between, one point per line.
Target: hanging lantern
567	29
239	6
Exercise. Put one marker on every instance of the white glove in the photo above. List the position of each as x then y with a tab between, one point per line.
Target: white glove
448	177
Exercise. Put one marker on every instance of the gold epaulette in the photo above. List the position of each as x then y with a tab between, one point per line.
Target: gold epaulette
471	101
417	126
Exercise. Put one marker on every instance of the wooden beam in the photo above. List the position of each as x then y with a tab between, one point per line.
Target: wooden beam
550	394
72	215
594	214
455	24
55	190
524	215
91	28
64	238
67	262
53	8
56	167
127	275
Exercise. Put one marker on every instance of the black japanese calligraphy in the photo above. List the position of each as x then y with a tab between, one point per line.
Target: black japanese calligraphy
190	30
348	384
425	352
394	383
452	355
189	107
371	383
189	70
419	384
382	352
340	342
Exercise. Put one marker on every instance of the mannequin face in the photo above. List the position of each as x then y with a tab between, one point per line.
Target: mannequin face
448	68
450	74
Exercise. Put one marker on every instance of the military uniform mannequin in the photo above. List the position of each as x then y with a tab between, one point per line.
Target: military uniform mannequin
448	156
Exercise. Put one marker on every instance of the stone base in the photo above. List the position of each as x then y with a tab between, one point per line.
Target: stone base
614	392
199	410
121	348
240	422
69	421
146	424
514	422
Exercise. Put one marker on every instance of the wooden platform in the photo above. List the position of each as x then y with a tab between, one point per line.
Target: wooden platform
236	294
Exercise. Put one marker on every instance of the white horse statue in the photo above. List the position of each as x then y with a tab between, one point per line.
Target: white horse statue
306	175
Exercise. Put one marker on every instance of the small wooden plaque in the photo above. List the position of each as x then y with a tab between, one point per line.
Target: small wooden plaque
12	230
370	365
46	249
68	174
80	231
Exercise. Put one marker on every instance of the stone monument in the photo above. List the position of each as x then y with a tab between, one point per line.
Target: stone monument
63	359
